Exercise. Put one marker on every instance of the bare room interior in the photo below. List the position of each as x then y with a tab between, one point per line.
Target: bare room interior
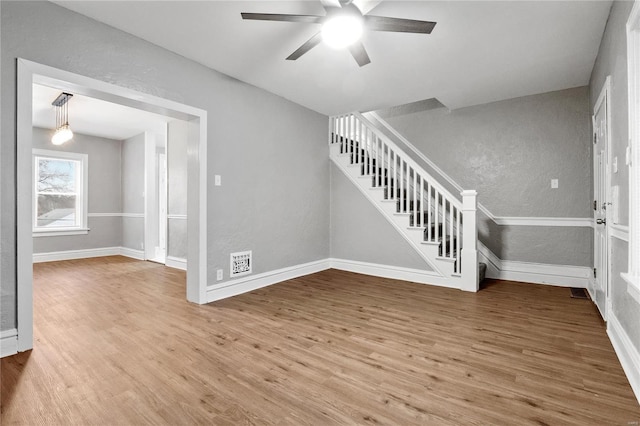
320	212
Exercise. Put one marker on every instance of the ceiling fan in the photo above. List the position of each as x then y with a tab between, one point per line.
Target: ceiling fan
343	25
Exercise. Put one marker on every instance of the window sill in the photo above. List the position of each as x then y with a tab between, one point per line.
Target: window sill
60	232
633	285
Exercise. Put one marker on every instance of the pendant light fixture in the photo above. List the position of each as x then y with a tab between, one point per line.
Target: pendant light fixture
63	132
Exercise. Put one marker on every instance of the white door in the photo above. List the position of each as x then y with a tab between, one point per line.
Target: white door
599	288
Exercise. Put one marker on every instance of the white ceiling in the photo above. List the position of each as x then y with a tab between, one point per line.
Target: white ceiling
479	51
95	117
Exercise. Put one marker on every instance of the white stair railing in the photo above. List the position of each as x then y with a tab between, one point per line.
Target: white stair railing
445	219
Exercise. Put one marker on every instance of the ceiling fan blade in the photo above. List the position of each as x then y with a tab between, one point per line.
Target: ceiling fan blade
359	53
306	19
307	46
366	6
331	4
399	25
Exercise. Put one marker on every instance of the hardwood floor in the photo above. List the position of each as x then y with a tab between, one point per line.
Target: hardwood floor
116	343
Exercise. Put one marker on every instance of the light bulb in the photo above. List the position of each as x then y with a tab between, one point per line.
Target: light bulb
62	135
342	31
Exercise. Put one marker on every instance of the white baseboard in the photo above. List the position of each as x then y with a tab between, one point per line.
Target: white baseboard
8	342
627	353
132	253
176	262
394	272
254	282
75	254
537	273
87	253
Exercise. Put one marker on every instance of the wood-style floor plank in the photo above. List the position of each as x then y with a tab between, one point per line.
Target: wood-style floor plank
116	343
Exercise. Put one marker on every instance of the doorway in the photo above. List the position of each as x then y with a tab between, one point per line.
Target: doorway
30	73
156	197
599	286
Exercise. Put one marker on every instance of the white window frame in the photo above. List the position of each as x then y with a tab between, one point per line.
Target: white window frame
82	195
632	277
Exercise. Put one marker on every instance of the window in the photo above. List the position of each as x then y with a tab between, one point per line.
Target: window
60	193
633	151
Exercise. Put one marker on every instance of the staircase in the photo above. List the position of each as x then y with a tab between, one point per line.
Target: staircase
438	225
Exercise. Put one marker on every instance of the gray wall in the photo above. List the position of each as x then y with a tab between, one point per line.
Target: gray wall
177	136
509	151
612	60
360	232
272	154
133	170
103	192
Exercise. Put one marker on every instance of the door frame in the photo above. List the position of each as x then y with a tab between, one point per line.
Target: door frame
605	97
28	73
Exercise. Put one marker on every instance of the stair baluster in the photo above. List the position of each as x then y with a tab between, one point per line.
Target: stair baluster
445	220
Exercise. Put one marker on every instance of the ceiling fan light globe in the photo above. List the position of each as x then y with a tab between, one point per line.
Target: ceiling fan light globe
342	31
62	135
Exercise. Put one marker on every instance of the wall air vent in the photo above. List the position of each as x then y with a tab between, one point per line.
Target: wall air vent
240	263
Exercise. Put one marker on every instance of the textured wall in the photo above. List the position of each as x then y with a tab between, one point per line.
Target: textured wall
177	238
133	191
612	60
360	232
104	192
509	151
177	136
133	174
272	154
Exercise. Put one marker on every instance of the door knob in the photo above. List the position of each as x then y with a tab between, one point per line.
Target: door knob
601	221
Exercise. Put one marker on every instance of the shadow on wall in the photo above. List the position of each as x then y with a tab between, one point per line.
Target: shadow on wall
491	234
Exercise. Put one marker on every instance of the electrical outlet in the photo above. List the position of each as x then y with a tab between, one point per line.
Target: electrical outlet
554	183
219	274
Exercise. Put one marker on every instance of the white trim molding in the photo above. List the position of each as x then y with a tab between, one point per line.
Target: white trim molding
176	262
39	233
536	273
626	352
393	272
586	222
75	254
177	216
134	215
632	286
621	232
132	253
87	253
254	282
140	215
8	342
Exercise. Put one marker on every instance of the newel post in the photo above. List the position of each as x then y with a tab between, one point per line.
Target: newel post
469	254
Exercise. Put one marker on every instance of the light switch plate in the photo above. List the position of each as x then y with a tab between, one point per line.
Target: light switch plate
615	164
217	180
554	183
